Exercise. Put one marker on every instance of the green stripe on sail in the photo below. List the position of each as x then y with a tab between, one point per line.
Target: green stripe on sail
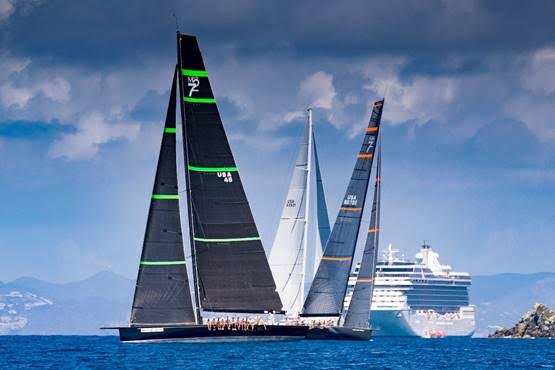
170	130
162	263
212	169
194	73
165	196
226	240
199	100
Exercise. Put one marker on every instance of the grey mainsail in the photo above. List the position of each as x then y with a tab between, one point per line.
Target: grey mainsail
230	267
321	212
162	294
327	292
358	313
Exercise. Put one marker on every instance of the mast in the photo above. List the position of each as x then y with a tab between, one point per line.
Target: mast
162	294
359	309
328	288
307	203
232	272
198	317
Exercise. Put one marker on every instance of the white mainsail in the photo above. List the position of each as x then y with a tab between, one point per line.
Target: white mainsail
288	258
288	254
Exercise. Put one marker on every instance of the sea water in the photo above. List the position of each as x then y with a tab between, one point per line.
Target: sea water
90	352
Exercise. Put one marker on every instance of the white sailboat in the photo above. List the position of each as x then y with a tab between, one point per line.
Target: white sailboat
291	249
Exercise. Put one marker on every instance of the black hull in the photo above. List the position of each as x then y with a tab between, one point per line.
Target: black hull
339	333
201	333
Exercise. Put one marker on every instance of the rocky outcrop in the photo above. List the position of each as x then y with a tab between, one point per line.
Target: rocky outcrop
539	322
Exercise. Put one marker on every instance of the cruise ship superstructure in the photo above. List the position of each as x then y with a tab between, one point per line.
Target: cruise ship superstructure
418	298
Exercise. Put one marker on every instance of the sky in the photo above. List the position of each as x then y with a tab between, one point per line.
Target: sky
468	125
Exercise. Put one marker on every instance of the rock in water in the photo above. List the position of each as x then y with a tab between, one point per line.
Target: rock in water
539	322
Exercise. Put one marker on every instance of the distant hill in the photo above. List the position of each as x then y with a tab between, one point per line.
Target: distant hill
502	299
32	306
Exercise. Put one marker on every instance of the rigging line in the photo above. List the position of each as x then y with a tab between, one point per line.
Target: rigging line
386	89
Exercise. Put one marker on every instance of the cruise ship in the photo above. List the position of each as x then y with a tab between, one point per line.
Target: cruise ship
420	298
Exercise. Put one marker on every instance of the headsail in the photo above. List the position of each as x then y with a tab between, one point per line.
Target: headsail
359	309
231	269
162	294
321	211
330	282
287	257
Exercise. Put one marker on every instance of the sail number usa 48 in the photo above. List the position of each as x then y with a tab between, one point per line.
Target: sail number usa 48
226	176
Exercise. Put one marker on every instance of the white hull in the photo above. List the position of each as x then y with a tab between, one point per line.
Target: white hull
408	323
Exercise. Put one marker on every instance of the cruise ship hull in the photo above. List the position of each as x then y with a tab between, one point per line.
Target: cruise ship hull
409	323
201	333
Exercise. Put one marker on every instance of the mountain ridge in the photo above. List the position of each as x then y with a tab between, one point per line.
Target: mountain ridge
32	306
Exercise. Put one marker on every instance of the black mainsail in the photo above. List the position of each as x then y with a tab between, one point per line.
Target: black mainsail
359	309
230	266
327	292
162	294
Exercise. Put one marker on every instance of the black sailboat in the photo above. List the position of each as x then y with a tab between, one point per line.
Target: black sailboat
327	293
357	317
231	275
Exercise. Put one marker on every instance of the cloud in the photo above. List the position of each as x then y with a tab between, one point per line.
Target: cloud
538	75
10	65
9	7
274	121
18	87
243	103
56	89
317	90
6	9
537	112
18	97
93	130
421	99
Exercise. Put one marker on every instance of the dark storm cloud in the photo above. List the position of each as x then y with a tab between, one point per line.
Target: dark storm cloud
104	32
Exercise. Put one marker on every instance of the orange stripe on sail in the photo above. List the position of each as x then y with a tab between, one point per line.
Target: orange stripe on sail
378	104
371	129
365	280
336	258
373	230
350	209
365	155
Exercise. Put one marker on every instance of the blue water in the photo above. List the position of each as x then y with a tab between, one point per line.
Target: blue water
76	352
